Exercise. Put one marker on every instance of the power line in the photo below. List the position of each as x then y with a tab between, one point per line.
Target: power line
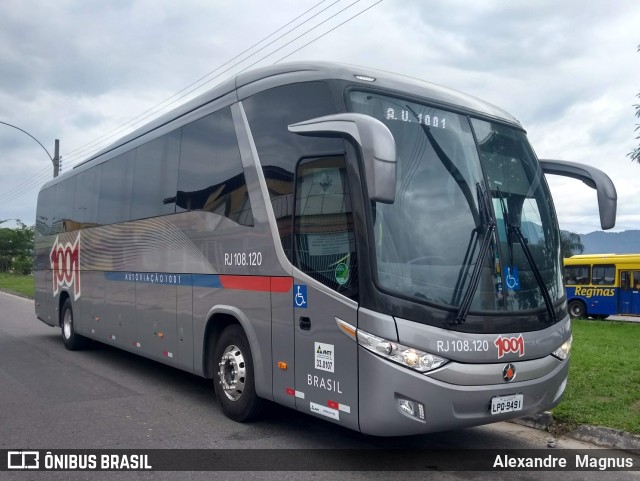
261	49
35	182
95	144
25	186
271	53
329	31
155	109
302	35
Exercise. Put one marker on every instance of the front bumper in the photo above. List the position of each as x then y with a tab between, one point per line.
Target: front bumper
447	405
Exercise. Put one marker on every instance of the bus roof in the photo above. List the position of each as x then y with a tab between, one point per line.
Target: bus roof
602	259
251	82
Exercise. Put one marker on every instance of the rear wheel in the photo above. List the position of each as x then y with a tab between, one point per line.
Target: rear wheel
577	310
233	379
70	338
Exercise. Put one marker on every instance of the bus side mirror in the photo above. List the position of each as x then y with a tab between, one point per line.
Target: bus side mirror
594	178
376	143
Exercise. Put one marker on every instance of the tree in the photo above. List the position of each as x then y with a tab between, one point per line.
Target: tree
570	244
16	248
635	153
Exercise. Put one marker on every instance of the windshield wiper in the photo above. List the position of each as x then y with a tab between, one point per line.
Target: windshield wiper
450	166
489	229
483	221
514	231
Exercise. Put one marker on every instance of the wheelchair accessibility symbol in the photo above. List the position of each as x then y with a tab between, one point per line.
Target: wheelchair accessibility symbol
300	296
512	278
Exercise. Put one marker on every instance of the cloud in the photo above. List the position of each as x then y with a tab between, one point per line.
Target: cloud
568	70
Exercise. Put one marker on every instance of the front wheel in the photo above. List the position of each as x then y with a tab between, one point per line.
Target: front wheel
70	338
233	379
577	310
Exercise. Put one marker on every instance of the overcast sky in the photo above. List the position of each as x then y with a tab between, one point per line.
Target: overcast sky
79	70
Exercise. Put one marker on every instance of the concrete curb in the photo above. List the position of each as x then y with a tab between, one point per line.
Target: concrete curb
540	421
599	435
14	293
606	437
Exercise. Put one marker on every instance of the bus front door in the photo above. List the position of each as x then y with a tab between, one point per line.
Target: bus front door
326	364
629	294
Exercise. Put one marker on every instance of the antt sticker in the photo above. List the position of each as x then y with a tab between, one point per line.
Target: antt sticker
65	266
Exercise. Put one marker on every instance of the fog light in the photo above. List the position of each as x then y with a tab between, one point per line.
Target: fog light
407	407
411	408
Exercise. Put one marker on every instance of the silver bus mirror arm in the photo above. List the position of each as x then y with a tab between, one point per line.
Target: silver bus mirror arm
376	143
594	178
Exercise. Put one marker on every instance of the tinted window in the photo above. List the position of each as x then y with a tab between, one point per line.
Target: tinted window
64	219
323	233
576	275
115	189
211	176
156	172
44	218
269	114
604	275
86	198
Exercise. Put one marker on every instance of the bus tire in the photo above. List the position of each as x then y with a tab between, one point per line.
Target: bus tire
577	310
233	378
72	340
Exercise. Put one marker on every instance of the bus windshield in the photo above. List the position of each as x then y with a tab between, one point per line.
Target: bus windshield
471	202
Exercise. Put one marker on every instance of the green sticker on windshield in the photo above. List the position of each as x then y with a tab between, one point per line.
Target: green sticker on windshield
342	273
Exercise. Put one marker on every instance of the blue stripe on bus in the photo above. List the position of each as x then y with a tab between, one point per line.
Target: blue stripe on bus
206	280
215	281
166	279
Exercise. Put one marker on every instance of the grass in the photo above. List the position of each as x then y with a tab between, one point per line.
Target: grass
604	377
21	285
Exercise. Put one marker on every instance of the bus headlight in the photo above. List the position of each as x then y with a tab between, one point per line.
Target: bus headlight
404	355
563	351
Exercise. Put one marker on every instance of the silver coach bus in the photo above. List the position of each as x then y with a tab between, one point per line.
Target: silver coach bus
368	248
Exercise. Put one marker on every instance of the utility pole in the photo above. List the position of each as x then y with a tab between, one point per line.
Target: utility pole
56	159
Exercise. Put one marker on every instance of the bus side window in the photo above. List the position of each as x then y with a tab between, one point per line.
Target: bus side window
604	275
155	176
324	243
116	185
576	275
210	176
269	113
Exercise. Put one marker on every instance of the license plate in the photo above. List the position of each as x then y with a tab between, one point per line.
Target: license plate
506	404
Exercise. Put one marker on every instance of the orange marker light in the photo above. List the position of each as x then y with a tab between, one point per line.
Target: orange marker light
282	365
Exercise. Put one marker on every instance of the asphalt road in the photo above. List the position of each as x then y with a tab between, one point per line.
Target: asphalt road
104	398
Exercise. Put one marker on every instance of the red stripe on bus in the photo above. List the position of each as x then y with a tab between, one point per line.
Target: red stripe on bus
281	284
257	283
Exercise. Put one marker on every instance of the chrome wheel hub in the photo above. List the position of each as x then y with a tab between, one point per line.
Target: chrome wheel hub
231	372
66	324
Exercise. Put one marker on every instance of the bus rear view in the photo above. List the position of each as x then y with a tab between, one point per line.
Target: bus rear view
387	256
